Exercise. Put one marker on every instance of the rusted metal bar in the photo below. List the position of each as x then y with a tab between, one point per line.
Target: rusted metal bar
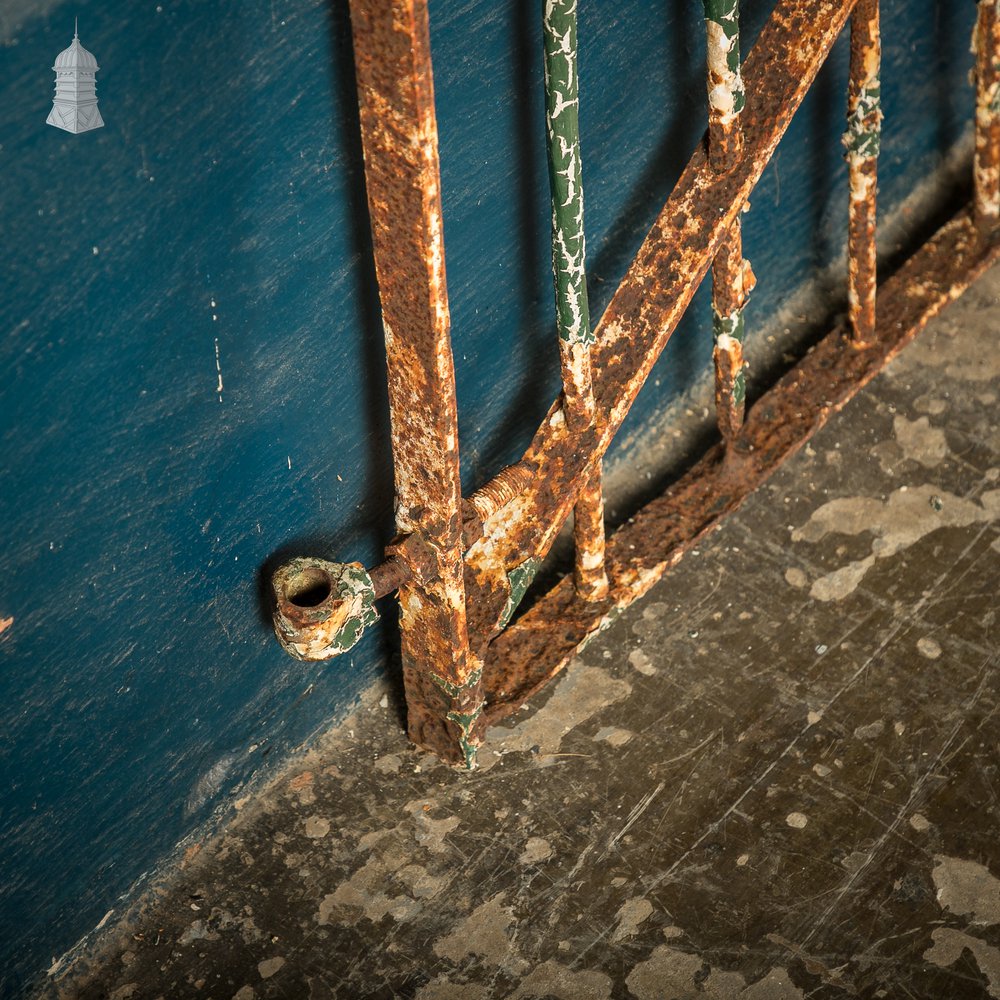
589	574
726	93
732	278
649	303
562	124
864	125
589	571
546	637
732	281
986	166
562	102
399	132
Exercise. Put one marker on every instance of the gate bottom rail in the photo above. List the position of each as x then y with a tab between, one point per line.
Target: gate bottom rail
543	640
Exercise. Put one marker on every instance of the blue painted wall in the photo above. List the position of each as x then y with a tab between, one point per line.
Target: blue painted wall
222	208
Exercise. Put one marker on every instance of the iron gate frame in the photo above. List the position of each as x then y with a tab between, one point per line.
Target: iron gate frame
461	565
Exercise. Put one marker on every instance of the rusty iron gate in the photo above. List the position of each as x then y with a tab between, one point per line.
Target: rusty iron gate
460	565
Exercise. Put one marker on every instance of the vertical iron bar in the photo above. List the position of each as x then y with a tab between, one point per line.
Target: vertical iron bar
402	174
732	282
732	277
862	139
987	156
589	574
562	105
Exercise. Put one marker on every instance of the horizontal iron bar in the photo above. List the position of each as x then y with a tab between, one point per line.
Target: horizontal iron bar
545	638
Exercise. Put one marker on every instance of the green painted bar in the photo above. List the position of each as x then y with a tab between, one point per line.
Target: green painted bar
562	107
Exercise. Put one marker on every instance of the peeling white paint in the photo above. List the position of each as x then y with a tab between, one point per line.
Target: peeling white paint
905	517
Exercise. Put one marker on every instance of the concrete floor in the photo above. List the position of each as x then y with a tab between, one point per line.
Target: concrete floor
776	776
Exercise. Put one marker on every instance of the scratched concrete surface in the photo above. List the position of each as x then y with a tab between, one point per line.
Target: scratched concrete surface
774	777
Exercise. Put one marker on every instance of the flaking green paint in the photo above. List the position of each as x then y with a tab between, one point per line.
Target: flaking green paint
355	582
465	721
562	120
994	102
861	140
457	690
740	387
726	14
519	578
732	326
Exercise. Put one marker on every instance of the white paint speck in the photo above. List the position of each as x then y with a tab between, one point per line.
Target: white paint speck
218	370
928	647
871	731
641	662
269	967
797	820
317	827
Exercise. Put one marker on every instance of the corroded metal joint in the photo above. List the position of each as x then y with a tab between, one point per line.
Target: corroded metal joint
321	609
418	555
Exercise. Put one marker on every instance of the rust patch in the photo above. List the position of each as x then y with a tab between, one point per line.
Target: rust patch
732	281
864	118
590	576
986	164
